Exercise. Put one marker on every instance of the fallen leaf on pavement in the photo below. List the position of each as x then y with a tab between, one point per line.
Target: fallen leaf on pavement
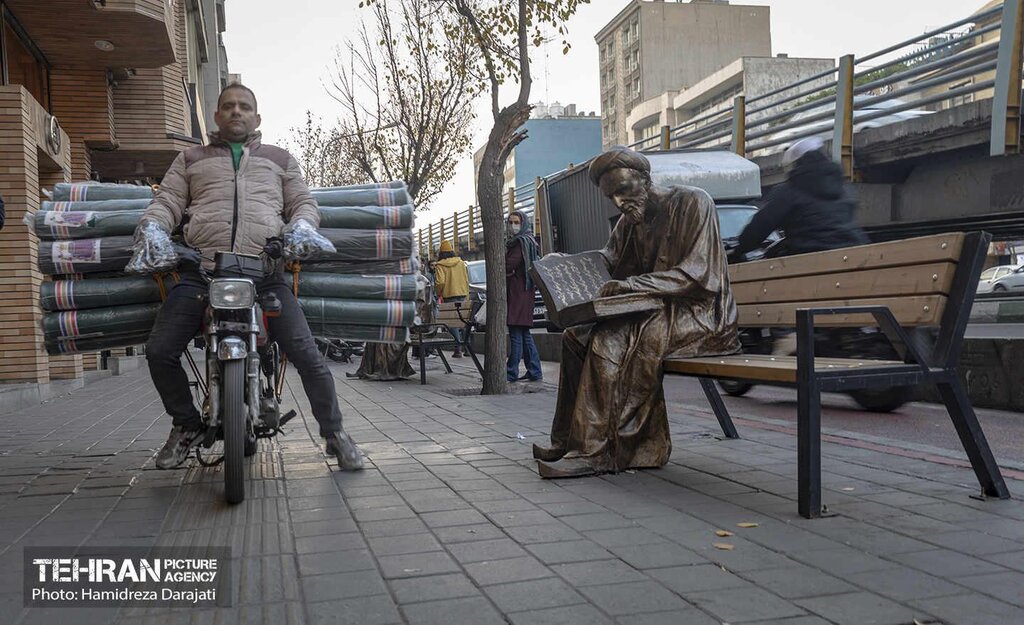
724	533
746	525
848	488
724	546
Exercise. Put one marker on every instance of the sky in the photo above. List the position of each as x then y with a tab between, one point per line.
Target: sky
284	51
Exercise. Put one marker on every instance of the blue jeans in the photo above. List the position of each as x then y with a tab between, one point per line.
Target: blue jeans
523	348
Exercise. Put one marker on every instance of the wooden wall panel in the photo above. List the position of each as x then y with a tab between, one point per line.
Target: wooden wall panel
22	358
82	102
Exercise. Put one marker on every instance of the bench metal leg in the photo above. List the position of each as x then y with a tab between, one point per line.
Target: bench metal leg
423	364
440	353
972	438
472	354
808	420
808	450
721	412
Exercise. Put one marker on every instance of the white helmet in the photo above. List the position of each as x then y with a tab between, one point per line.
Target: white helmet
801	147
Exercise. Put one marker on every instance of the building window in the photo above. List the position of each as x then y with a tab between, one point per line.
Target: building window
21	62
636	88
965	98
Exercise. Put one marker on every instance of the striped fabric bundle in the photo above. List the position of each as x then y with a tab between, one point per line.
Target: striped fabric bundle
95	343
65	225
356	311
97	206
366	292
401	266
98	322
364	245
85	255
104	292
367	217
89	191
381	196
365	287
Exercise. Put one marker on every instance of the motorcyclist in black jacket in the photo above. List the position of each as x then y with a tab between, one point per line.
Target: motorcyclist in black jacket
812	206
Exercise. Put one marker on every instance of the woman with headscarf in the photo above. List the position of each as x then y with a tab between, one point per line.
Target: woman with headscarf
520	253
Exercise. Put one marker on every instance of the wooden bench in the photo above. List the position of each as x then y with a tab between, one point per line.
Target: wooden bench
917	283
439	334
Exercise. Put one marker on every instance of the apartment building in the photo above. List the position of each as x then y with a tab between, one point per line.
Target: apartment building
654	46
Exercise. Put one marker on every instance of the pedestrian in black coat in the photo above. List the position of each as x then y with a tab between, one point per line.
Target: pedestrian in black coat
812	206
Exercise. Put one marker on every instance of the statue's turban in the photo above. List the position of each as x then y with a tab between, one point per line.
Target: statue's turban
619	157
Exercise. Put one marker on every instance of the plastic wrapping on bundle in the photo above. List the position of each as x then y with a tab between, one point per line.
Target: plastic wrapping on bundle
52	225
104	292
100	206
95	344
400	266
383	287
98	322
366	245
85	191
359	312
85	255
347	196
360	334
367	217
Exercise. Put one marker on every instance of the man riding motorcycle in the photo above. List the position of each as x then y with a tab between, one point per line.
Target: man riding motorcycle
231	196
812	206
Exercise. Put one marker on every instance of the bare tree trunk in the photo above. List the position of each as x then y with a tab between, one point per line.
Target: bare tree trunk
489	190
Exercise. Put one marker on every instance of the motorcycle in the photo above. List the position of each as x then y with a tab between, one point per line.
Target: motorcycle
865	343
241	391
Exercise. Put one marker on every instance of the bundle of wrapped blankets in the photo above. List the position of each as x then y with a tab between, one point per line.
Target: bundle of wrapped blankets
365	292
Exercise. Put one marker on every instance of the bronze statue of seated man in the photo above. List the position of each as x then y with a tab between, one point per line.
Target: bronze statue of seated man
610	415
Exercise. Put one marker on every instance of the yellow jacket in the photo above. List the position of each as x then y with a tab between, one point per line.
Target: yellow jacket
451	278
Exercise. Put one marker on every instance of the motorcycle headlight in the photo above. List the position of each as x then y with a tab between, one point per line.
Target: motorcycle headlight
232	294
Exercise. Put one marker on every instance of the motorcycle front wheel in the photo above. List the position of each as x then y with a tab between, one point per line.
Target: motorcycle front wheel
233	423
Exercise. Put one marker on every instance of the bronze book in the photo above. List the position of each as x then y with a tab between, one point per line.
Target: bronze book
569	285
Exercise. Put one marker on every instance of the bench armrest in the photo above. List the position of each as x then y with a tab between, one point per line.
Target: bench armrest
886	321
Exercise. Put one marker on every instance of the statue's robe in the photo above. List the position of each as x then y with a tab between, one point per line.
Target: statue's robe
610	414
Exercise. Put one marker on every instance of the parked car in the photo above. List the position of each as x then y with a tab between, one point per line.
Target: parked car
824	126
1001	279
478	295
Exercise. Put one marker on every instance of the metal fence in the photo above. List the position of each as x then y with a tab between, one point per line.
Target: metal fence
978	57
464	229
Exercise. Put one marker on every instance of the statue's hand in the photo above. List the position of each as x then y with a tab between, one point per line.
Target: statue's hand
614	287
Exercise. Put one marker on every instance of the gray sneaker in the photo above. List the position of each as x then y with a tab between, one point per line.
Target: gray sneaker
179	443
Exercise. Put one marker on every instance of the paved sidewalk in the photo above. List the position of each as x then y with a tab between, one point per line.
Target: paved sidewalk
450	524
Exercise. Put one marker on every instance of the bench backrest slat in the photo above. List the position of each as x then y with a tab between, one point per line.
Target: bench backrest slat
914	278
919	310
449	314
922	250
926	279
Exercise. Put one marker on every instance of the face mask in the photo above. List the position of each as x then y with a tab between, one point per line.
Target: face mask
516	228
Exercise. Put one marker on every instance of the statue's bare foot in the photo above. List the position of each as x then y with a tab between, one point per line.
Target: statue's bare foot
549	454
567	467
